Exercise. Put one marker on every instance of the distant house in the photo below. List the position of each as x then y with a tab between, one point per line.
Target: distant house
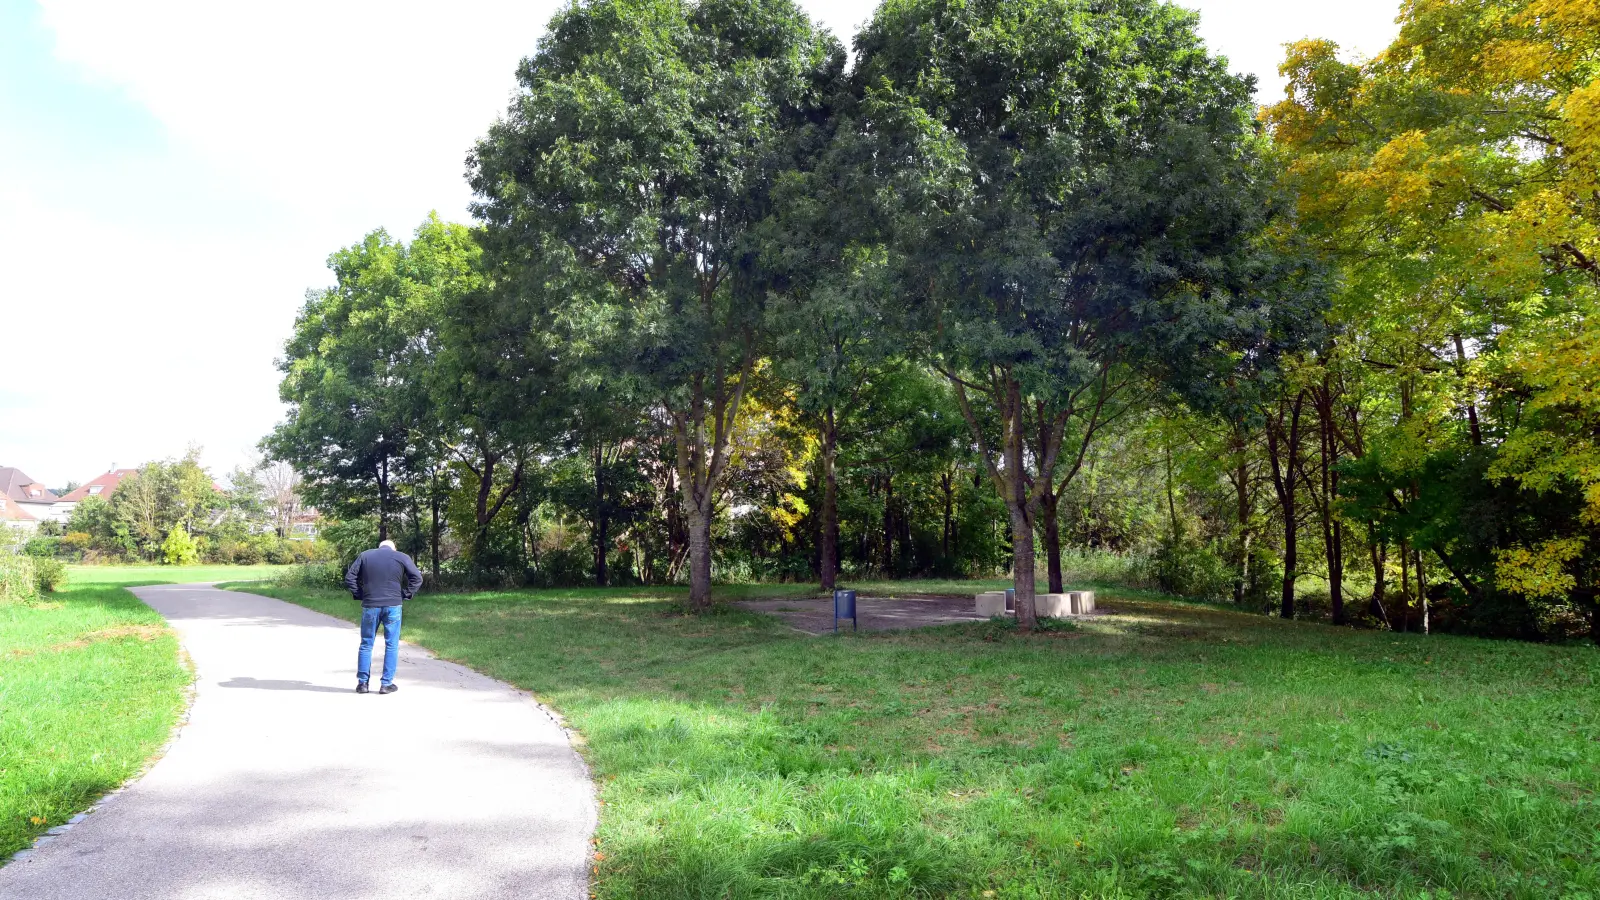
102	487
27	502
12	514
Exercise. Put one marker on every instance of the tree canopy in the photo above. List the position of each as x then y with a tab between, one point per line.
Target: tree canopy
1021	280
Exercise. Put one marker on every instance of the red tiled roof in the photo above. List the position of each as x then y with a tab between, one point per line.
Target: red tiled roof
12	511
108	486
14	483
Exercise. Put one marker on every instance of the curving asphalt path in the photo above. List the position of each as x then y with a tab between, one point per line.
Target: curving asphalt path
286	784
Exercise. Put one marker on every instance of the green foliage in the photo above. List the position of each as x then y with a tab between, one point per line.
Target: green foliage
1186	568
351	536
42	547
49	575
739	310
179	548
674	119
163	497
18	583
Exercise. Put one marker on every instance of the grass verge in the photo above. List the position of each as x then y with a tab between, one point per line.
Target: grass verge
90	686
1169	750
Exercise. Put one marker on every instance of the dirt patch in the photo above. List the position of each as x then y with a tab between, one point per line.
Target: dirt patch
872	613
815	615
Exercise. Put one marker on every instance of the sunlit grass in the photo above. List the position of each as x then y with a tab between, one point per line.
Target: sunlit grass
136	575
1166	751
90	686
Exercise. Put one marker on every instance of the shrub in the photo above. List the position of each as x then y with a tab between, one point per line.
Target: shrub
322	574
17	581
313	551
1189	569
179	549
42	547
1106	567
49	575
76	543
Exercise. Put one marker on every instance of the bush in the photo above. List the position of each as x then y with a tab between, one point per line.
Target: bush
1106	567
17	581
303	552
49	575
179	549
560	567
322	574
1189	569
76	543
42	547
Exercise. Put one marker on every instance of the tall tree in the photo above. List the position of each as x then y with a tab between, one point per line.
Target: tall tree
354	376
1104	213
1452	178
636	162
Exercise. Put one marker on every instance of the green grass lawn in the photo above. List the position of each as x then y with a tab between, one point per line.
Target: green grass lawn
1169	750
136	575
90	686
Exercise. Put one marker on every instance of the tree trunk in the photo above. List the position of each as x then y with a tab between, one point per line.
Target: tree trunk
1291	562
1336	575
1472	408
1283	444
1022	569
433	501
1241	492
383	499
1284	452
1380	581
1048	508
1332	539
699	559
1422	592
1021	519
601	539
1246	578
1405	586
1172	506
1011	480
830	501
948	486
888	524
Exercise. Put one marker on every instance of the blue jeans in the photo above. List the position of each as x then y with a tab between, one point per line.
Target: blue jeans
371	618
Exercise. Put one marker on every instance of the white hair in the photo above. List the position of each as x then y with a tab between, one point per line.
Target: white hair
389	544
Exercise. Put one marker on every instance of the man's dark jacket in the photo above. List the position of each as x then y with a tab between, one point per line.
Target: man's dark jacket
383	577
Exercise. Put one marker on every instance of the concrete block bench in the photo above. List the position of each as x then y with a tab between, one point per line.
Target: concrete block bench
1068	603
991	604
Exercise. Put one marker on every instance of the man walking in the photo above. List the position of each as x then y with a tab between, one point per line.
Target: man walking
382	579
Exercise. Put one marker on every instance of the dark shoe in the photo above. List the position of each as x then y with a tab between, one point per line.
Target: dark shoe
389	689
361	687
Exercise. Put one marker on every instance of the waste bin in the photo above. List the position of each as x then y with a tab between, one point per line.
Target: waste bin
844	607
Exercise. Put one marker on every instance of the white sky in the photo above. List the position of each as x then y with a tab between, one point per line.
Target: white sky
174	173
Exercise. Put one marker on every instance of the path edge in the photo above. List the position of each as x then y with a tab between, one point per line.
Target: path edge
173	734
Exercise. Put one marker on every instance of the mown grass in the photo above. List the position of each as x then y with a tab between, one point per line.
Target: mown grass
136	575
90	686
1168	750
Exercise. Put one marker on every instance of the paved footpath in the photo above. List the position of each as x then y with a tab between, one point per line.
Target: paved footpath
286	784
